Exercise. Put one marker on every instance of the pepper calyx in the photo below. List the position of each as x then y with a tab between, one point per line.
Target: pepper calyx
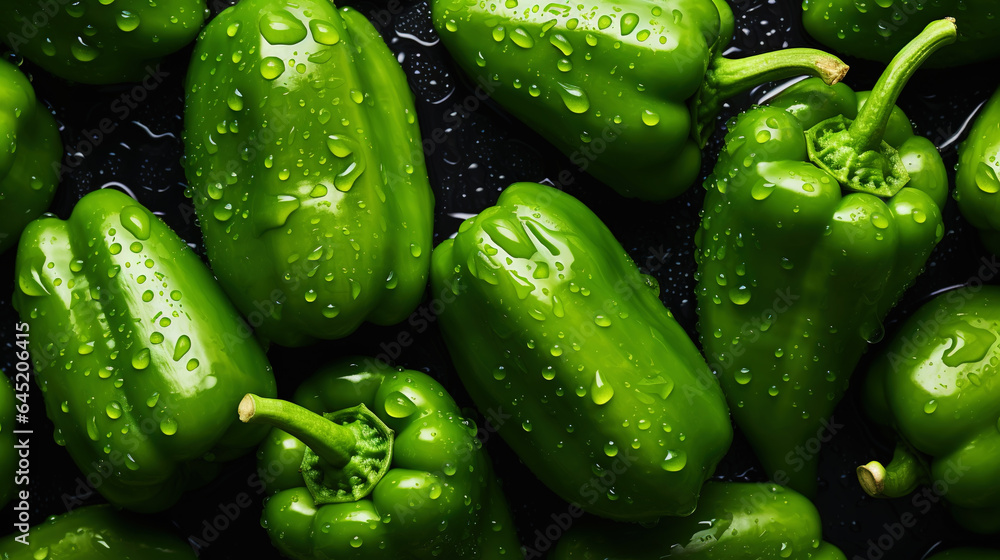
372	456
878	171
854	151
347	452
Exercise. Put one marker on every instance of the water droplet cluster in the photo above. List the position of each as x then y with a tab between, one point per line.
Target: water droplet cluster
105	41
306	170
607	72
128	345
571	340
794	275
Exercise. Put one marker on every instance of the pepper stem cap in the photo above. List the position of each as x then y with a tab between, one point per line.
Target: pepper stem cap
347	452
854	152
902	476
872	478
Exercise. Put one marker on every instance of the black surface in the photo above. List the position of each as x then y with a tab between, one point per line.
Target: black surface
484	151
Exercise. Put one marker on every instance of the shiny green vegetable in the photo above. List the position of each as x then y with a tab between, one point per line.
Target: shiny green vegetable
878	29
549	321
935	385
629	90
734	521
8	455
100	41
977	185
29	155
95	533
380	463
139	355
306	168
822	209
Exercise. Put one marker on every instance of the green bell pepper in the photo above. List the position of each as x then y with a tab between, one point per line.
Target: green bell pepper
629	90
29	158
8	457
100	41
976	184
734	521
140	356
390	470
549	321
822	209
967	554
95	533
878	29
933	384
307	172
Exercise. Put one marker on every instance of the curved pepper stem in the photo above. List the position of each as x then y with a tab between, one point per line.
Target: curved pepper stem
348	451
730	76
333	442
868	128
902	476
727	77
854	151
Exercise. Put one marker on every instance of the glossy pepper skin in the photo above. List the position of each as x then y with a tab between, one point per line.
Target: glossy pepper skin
797	268
976	184
935	385
628	90
8	455
140	356
734	521
30	149
877	30
308	178
100	42
432	493
548	319
96	533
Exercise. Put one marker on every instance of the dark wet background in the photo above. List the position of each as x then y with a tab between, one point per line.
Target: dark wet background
484	151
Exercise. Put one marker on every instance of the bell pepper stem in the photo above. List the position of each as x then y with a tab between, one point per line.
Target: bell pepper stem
730	76
868	128
329	440
727	77
902	476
